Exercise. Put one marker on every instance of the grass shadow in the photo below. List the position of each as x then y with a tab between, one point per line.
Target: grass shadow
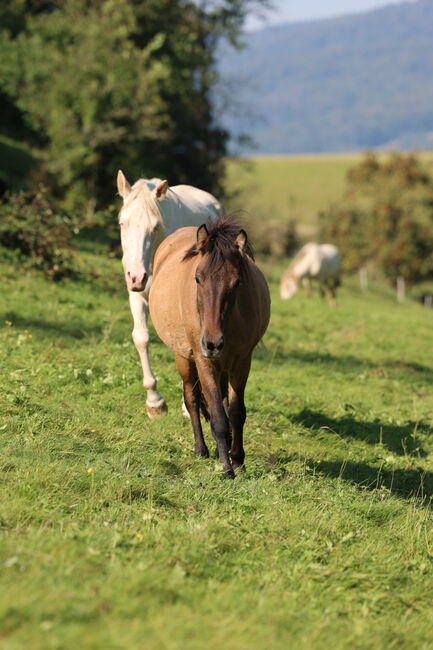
406	483
403	483
399	439
345	363
54	329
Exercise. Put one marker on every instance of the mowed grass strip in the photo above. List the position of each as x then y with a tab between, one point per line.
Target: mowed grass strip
114	535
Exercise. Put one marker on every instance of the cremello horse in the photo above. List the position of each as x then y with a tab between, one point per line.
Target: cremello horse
152	210
209	303
314	261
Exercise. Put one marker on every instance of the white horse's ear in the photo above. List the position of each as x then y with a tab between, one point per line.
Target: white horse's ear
202	236
241	240
161	190
123	187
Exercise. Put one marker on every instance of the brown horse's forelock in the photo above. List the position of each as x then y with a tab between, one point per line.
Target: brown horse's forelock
220	246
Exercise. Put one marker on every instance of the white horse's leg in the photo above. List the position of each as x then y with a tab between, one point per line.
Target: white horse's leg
306	282
155	403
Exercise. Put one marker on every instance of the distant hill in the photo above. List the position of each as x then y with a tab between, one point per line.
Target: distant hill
341	84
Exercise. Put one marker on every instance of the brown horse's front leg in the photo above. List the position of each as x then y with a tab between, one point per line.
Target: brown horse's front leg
237	411
192	397
210	381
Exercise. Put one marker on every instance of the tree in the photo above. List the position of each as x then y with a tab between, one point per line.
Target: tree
94	85
385	218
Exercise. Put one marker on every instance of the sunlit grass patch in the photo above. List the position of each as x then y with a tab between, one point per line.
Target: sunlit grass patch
113	535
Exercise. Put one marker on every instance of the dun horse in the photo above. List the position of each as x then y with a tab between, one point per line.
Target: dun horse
151	211
314	261
210	304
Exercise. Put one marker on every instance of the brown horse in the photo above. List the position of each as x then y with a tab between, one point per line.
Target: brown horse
210	304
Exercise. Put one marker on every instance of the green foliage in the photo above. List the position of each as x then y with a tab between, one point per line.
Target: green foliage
37	233
113	535
385	218
93	87
275	238
100	92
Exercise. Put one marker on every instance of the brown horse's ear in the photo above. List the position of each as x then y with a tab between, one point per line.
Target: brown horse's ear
202	237
241	240
161	190
123	187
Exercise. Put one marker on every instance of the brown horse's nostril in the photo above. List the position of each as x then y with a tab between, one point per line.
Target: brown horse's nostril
220	344
210	346
207	345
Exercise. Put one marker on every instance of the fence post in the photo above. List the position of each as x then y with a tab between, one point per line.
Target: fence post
428	300
401	289
363	279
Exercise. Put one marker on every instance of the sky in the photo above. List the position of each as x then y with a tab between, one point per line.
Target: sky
296	10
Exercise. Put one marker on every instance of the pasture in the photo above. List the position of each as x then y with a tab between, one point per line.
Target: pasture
113	535
284	188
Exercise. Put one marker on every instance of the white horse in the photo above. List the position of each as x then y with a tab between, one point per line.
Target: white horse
151	211
314	261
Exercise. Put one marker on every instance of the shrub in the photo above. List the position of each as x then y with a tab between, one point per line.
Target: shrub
275	238
385	218
36	233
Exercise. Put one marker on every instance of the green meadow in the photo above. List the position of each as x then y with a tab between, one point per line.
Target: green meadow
113	535
292	188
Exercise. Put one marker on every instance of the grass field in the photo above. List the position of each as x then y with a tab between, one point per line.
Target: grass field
113	535
292	187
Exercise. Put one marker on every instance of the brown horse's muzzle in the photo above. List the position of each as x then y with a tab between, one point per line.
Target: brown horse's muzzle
211	348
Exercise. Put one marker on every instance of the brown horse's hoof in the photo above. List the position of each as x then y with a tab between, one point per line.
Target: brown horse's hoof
154	412
201	452
229	474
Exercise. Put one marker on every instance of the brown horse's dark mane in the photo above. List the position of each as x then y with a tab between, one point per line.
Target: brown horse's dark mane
220	245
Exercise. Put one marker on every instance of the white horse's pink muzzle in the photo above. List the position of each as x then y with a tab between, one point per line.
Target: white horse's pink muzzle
136	281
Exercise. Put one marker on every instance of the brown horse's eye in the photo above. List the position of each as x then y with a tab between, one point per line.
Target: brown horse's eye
197	279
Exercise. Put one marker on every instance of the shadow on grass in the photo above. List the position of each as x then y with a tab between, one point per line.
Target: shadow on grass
400	439
406	483
54	329
345	363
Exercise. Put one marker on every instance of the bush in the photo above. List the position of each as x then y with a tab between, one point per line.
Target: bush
36	233
274	238
385	218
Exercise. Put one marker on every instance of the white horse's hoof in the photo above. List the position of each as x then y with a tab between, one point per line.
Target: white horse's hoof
154	412
185	411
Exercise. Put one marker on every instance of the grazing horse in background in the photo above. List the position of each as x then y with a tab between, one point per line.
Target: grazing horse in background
210	304
314	261
152	210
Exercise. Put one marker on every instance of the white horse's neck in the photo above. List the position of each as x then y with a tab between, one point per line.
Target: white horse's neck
184	205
